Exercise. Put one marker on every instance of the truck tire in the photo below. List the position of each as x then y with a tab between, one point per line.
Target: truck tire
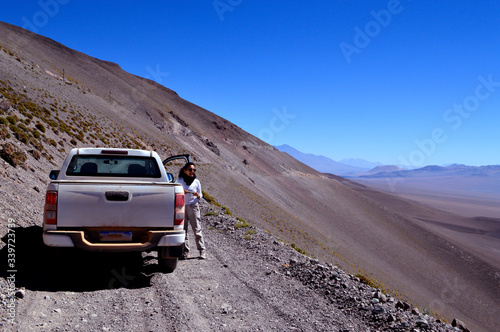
167	258
176	251
167	265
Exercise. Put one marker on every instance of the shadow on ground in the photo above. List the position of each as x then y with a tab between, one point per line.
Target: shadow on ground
41	268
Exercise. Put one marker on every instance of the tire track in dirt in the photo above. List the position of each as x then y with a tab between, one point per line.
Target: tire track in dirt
240	287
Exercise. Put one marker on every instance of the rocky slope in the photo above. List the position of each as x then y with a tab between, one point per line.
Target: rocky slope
53	99
251	281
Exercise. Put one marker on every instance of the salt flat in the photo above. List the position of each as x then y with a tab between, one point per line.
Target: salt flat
464	196
466	211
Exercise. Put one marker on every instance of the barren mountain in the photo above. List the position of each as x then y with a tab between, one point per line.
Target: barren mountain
53	98
455	170
383	168
322	163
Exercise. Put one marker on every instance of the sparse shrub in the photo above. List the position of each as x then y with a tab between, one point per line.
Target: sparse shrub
65	128
49	157
250	232
211	213
52	123
227	211
3	121
22	126
12	119
210	199
73	141
13	155
35	154
40	127
21	136
4	133
80	137
37	144
367	281
302	251
242	223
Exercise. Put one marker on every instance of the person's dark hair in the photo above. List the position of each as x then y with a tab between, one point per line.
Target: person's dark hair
182	174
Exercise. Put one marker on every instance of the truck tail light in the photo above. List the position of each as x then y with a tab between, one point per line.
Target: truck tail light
50	210
179	209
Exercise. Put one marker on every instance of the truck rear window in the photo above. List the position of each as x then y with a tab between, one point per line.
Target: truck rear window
119	166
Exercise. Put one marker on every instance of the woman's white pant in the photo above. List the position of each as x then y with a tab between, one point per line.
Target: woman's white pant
193	217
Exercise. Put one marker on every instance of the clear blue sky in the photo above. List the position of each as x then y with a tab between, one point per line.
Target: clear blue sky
415	82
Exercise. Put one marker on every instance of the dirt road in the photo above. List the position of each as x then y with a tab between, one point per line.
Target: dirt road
241	286
250	282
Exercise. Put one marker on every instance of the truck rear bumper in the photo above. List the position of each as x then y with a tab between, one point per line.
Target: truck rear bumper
57	240
65	238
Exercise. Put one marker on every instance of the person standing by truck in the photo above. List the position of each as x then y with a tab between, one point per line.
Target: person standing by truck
192	190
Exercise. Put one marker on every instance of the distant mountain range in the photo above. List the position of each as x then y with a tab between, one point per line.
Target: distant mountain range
455	170
360	163
326	165
352	168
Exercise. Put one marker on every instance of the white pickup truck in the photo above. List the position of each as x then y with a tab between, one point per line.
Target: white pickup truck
116	200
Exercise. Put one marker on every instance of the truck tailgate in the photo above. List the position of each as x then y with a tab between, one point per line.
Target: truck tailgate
115	205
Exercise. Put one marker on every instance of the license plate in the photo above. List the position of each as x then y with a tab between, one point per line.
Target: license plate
116	236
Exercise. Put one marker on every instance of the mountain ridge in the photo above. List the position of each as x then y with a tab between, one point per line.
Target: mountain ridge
321	163
434	170
351	167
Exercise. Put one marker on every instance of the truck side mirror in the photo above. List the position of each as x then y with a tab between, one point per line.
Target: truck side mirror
54	174
170	177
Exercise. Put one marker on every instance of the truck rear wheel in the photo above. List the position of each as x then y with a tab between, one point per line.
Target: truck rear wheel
167	265
167	258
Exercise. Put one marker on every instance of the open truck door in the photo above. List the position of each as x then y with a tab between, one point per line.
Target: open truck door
174	163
